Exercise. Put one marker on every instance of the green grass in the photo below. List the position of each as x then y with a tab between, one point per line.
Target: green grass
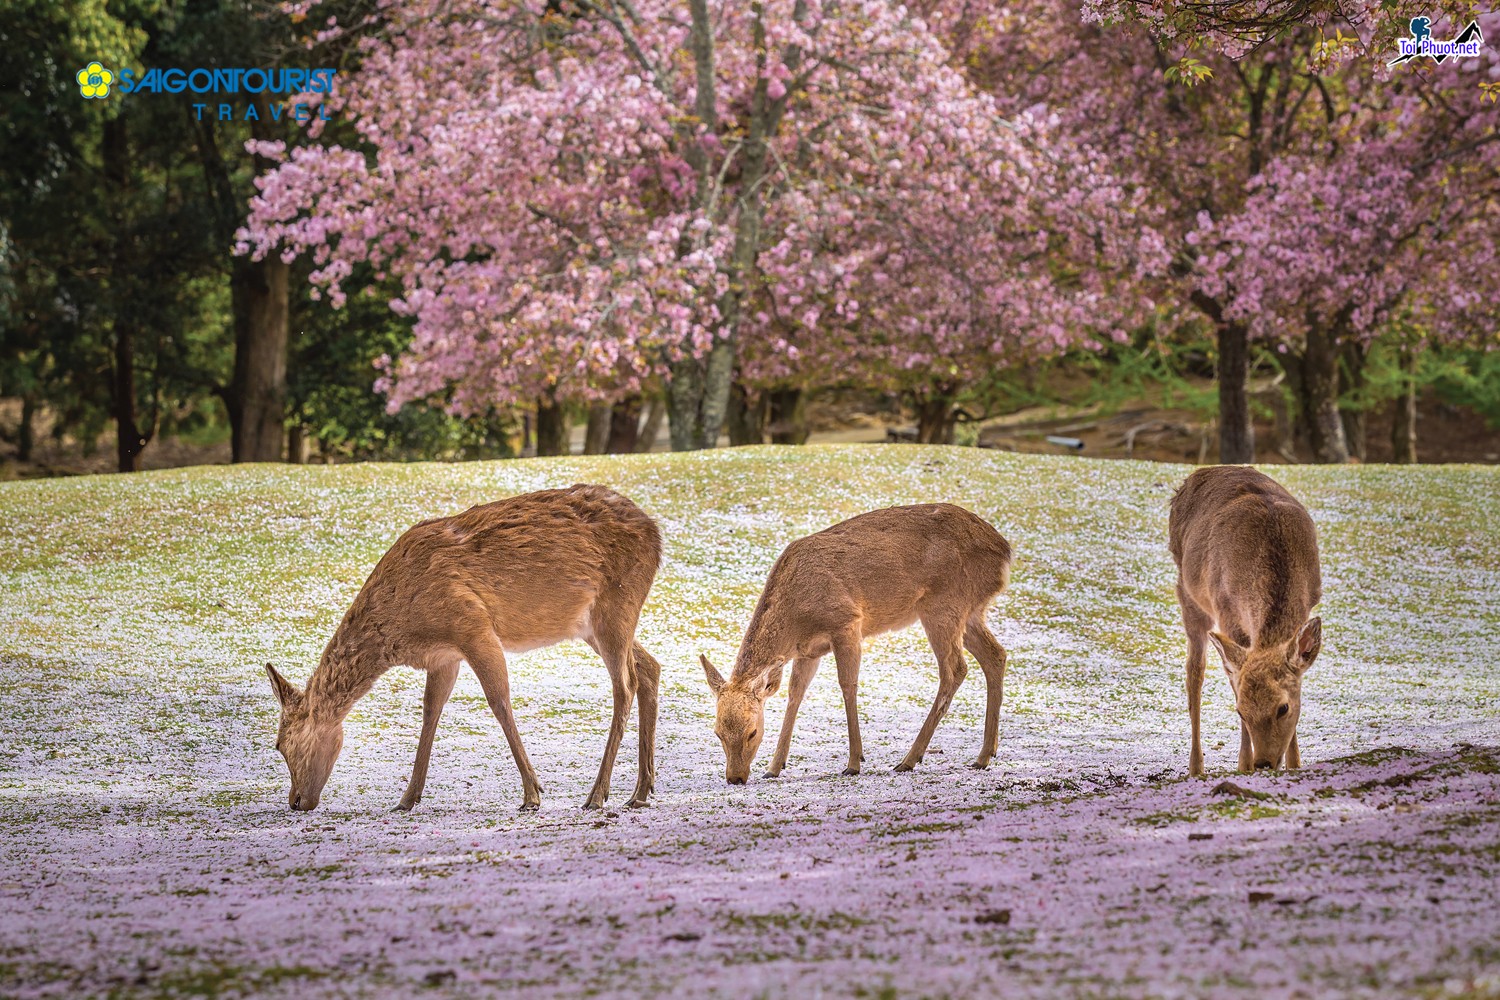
136	613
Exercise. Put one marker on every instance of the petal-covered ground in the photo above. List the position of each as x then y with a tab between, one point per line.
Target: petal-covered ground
147	849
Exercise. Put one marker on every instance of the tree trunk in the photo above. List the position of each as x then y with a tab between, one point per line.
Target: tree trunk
1236	432
551	426
1285	434
298	444
129	441
1352	412
651	429
596	434
26	433
936	418
788	416
747	416
1320	396
1404	417
684	396
257	394
1296	383
259	299
699	394
691	381
718	376
624	426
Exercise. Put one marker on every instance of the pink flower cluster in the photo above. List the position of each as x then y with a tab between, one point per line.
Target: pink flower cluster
525	177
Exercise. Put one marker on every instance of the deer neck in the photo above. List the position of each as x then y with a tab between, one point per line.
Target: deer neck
766	647
354	659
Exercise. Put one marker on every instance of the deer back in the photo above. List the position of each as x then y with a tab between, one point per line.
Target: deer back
1247	553
878	571
528	567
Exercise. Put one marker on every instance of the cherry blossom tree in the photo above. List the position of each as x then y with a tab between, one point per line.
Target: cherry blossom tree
1304	192
1236	27
964	264
1392	211
581	197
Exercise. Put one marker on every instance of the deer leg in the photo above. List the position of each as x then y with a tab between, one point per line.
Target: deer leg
648	681
614	639
1196	624
981	642
1197	651
946	638
802	675
487	659
846	653
440	680
1247	755
1293	755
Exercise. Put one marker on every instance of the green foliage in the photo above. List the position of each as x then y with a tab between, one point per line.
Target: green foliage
1168	372
109	227
1188	71
330	382
1459	376
1466	377
1149	367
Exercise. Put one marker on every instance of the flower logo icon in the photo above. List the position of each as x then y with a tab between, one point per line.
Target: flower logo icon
94	80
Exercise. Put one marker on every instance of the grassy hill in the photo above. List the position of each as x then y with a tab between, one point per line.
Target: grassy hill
147	848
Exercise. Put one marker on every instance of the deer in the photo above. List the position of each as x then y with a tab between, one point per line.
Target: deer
504	577
877	572
1247	580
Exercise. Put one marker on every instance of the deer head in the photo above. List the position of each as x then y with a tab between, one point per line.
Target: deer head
1267	684
308	743
741	718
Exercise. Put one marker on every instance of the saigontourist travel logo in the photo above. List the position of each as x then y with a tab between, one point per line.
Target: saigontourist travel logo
97	81
1465	45
94	80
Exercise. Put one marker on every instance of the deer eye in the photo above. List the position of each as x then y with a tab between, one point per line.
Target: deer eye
1283	710
753	734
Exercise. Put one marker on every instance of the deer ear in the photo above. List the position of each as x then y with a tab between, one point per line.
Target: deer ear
286	692
715	681
1309	642
772	682
1232	652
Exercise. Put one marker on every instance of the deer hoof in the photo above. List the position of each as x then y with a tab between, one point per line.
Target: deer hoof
850	772
530	807
905	765
404	806
638	802
771	774
981	764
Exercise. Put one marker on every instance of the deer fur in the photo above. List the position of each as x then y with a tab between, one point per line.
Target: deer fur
1248	579
877	572
499	578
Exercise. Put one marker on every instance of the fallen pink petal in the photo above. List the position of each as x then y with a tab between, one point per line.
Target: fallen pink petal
148	848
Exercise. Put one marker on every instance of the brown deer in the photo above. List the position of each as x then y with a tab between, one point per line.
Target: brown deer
500	578
873	573
1247	580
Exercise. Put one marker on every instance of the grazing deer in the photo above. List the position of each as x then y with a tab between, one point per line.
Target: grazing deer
500	578
874	573
1247	580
